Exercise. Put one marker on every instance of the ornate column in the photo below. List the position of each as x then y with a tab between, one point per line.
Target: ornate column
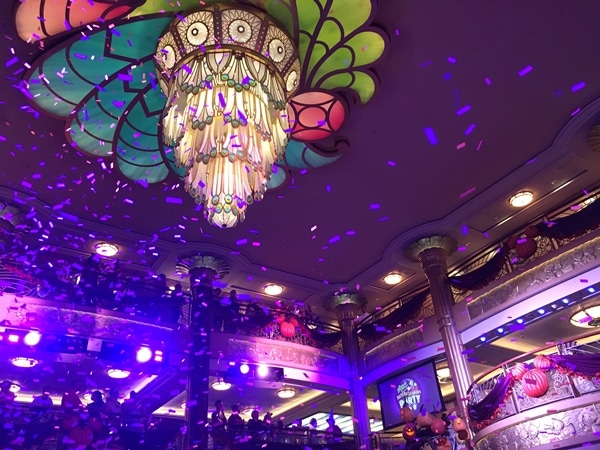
202	271
432	253
347	306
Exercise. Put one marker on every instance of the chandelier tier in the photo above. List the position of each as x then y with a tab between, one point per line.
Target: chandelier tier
228	73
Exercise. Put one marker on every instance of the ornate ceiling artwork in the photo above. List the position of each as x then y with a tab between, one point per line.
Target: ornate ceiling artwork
103	80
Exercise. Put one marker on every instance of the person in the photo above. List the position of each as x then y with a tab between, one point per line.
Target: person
268	419
255	425
97	407
134	422
312	432
334	433
113	406
219	424
41	405
7	398
235	423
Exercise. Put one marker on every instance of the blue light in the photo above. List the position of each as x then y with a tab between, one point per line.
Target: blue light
565	301
500	330
482	338
519	320
591	290
541	311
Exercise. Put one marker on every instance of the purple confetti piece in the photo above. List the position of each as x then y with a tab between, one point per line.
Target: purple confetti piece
488	81
118	104
125	77
451	60
430	135
391	163
222	100
470	129
241	242
174	200
335	239
467	192
375	206
463	110
578	86
11	61
525	71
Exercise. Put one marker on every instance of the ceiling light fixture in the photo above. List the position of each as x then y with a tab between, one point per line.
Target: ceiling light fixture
14	388
118	373
273	289
392	278
587	318
521	199
286	392
220	385
244	368
226	114
106	249
21	361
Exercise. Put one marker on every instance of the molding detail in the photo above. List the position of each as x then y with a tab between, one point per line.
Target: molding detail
29	313
538	278
282	354
394	347
556	429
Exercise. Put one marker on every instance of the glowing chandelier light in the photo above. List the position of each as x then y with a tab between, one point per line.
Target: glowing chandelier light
228	73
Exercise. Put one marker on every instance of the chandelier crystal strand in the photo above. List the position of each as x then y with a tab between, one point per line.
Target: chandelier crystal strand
226	115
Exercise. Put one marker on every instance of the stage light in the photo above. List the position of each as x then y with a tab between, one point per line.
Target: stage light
519	321
541	311
158	356
14	338
500	330
143	355
118	373
262	371
244	368
32	338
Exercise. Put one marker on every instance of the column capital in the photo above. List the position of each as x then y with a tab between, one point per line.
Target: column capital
443	246
345	304
205	268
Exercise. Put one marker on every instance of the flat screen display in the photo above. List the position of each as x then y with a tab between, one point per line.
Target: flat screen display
415	388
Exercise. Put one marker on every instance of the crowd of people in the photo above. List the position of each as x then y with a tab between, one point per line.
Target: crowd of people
229	429
105	421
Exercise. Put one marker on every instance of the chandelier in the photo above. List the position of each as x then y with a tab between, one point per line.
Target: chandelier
228	73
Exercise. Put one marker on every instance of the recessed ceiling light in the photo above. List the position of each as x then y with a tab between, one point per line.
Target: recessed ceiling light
392	278
14	388
588	318
273	289
521	199
286	392
118	373
24	362
106	249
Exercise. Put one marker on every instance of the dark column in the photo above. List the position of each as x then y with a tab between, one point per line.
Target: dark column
202	270
347	306
432	253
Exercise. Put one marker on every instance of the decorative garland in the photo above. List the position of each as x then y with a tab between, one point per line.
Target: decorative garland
569	227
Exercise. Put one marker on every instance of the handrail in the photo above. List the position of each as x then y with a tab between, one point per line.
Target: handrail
529	354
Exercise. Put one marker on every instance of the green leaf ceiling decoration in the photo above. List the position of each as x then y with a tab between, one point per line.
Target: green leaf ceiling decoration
102	81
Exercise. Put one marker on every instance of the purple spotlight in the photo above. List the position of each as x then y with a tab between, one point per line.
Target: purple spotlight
262	371
143	355
244	368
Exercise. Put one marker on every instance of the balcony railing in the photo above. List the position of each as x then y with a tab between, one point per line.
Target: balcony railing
571	399
513	262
